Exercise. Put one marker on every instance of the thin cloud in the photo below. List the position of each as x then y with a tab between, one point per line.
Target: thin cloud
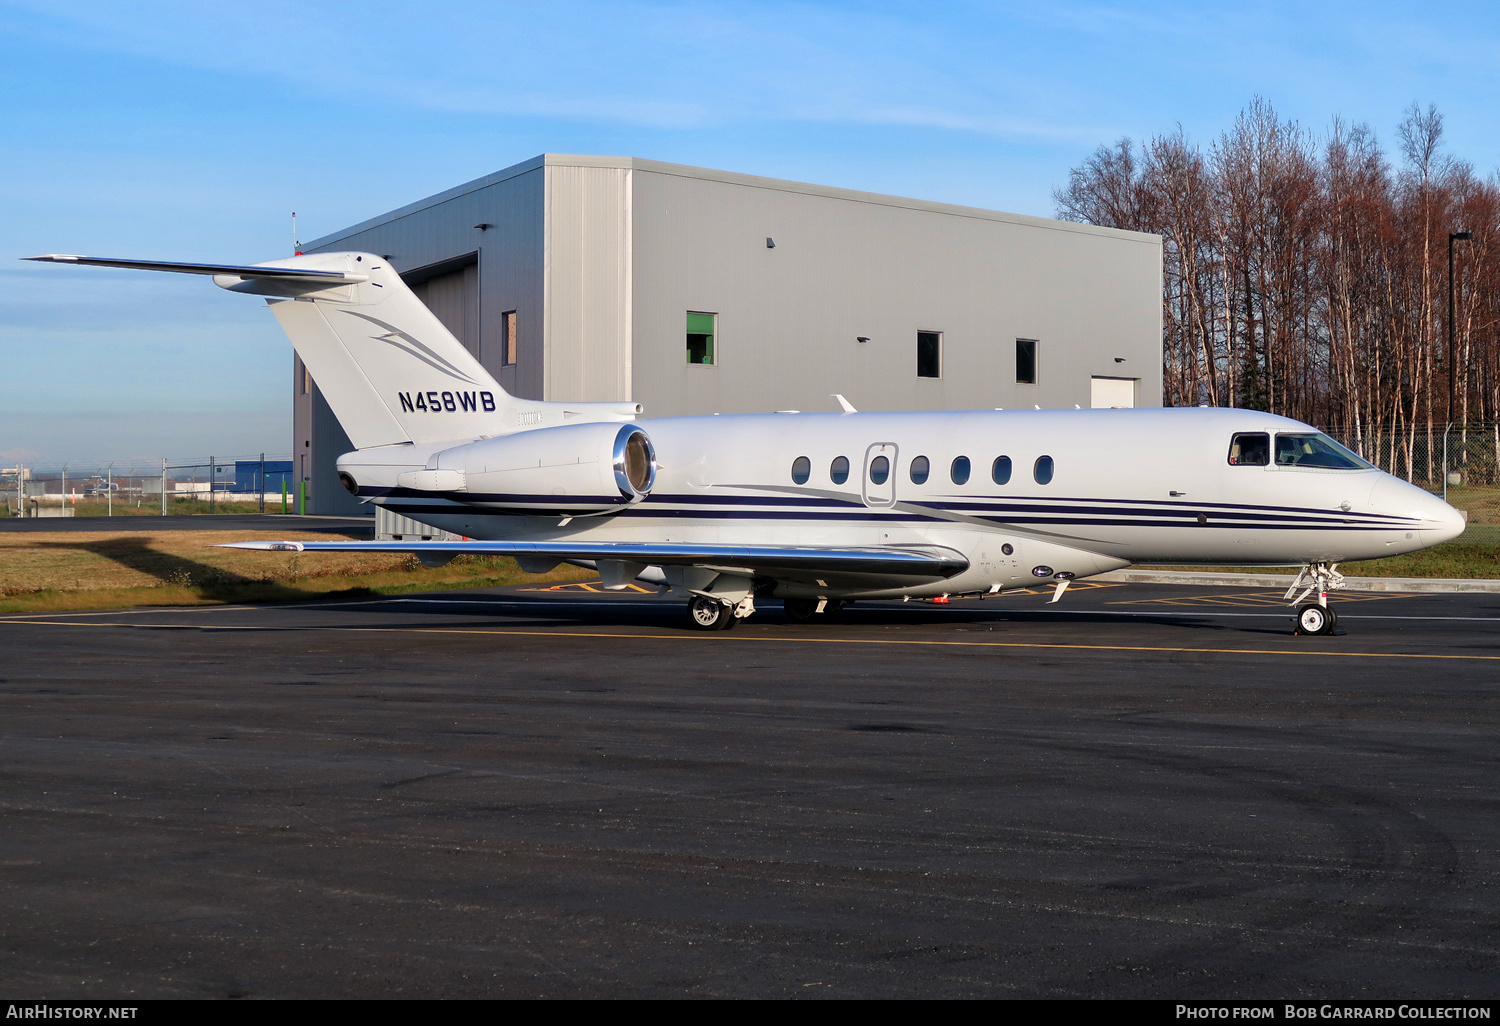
658	66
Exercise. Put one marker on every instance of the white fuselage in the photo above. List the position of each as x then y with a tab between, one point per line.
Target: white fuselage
1127	486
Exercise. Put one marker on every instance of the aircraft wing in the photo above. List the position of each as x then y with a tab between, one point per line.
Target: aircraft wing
241	271
910	563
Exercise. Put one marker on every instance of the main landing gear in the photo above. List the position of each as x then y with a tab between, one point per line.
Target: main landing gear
711	614
1315	617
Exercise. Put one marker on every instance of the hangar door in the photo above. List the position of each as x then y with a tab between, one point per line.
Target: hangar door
452	293
1112	393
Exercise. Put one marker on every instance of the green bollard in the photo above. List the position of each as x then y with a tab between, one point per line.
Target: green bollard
283	496
302	498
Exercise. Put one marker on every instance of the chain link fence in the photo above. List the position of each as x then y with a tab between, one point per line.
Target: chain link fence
262	483
1456	456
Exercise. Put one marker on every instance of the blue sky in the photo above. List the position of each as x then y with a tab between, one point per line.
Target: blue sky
190	130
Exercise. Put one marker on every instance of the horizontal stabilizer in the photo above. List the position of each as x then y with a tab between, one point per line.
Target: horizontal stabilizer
238	270
927	562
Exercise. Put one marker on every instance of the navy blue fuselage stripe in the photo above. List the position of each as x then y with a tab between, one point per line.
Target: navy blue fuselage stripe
887	517
991	500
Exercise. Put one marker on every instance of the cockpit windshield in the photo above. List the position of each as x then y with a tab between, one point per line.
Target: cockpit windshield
1317	452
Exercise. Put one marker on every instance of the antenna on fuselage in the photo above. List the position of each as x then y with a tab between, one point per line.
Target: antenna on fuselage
296	245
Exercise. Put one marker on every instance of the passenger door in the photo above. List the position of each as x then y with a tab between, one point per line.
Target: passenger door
880	474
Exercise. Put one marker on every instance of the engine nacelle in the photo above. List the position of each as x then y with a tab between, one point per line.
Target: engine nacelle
572	470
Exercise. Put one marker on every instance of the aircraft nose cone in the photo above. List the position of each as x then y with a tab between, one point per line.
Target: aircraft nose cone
1436	521
1441	522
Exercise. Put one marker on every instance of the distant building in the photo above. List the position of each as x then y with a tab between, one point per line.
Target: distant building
698	291
248	476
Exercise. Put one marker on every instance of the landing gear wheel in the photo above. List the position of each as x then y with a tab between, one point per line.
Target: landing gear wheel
708	614
800	609
1316	619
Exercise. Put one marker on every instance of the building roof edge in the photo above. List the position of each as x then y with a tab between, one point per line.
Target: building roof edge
730	178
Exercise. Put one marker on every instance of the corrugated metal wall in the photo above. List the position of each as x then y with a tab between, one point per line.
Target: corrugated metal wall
849	266
454	298
588	284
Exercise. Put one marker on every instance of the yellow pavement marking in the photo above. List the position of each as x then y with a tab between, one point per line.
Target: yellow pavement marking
1077	586
594	586
803	639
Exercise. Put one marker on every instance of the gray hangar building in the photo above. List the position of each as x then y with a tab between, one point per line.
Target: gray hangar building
697	291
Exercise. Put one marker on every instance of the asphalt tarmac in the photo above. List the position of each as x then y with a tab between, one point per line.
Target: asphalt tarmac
1147	791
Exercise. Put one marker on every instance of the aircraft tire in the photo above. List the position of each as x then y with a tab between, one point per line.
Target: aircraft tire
799	610
1315	619
708	614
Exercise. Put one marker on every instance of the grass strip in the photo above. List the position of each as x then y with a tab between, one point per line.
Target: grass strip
100	570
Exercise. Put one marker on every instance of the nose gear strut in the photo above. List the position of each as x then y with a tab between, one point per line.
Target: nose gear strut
1315	617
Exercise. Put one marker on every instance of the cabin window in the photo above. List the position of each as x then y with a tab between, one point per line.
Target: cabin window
510	340
880	470
960	470
801	469
839	470
929	354
920	468
1316	451
1043	470
1252	449
1025	361
701	328
1000	471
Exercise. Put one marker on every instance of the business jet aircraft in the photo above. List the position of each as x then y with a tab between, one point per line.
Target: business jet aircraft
814	509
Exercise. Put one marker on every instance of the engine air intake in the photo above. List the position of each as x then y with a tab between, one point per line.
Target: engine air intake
635	462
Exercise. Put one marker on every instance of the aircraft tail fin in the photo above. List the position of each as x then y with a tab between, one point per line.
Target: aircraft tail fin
389	369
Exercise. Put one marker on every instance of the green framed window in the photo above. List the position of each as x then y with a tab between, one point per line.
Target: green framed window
701	328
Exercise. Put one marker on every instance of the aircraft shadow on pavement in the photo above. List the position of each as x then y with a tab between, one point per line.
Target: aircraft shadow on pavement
622	611
135	553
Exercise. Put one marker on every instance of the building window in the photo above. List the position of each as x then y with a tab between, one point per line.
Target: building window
700	337
929	354
306	383
1025	361
510	341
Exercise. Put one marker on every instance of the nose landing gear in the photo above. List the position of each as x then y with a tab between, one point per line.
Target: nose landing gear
1315	617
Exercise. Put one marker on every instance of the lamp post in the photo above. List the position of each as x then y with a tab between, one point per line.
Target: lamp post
1452	237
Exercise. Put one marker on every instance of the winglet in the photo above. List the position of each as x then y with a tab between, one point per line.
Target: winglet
846	404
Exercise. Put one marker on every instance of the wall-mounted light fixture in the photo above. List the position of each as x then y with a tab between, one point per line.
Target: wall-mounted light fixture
862	338
770	242
1119	359
482	226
